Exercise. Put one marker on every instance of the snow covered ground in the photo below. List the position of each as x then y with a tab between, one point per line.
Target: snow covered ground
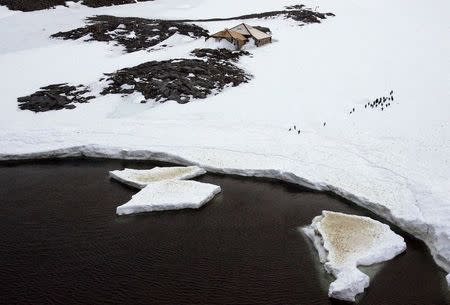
394	162
169	195
345	241
140	178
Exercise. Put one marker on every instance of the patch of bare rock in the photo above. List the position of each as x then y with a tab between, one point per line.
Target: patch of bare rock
132	33
179	80
298	13
55	97
36	5
219	54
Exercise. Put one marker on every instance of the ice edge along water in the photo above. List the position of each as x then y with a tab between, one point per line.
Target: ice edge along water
140	178
416	228
345	241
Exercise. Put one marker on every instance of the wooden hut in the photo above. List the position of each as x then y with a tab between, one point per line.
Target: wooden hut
250	32
232	36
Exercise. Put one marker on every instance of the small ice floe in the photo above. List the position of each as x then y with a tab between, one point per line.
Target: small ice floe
140	178
345	241
170	195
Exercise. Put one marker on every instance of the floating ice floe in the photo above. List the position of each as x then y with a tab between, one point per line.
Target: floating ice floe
141	178
345	241
170	195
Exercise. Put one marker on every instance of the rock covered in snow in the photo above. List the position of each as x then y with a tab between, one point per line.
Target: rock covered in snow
35	5
134	34
170	195
345	241
448	280
140	178
179	80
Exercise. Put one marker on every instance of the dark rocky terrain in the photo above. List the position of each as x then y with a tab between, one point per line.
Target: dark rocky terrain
219	54
139	33
179	80
262	29
133	33
54	97
176	79
297	13
35	5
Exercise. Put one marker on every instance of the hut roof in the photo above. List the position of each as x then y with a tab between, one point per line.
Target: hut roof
227	33
248	30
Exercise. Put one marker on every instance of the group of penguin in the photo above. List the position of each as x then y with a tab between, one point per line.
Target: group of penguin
294	128
383	102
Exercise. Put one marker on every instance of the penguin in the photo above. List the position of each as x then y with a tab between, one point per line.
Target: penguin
295	128
290	129
324	123
390	93
365	106
298	131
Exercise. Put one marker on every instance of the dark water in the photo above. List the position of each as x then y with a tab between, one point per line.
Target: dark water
61	243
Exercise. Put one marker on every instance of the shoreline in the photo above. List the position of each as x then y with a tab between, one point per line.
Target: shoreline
420	231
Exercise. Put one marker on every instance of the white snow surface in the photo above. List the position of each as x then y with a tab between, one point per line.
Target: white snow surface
345	241
394	162
169	195
140	178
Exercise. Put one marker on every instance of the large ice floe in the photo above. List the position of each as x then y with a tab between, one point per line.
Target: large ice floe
345	241
170	195
141	178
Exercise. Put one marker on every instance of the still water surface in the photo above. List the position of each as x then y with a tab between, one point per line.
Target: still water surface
61	243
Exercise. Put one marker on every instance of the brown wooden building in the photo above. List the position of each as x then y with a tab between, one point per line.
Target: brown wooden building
241	34
232	36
